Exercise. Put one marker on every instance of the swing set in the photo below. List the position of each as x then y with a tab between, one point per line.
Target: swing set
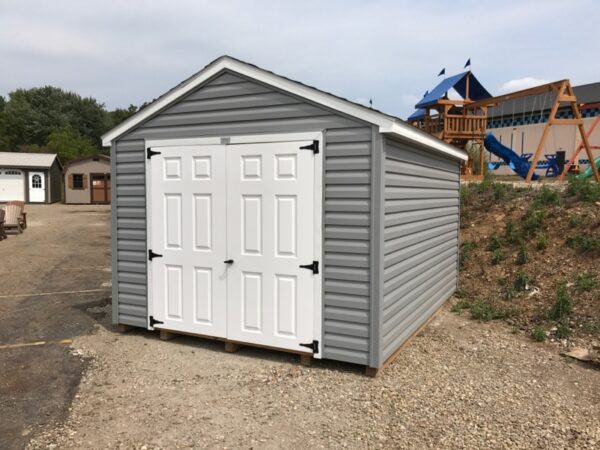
461	121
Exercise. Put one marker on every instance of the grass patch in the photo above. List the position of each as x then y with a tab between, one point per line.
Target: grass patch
584	189
547	197
538	334
541	241
521	282
523	255
465	195
585	281
460	306
495	243
485	311
511	233
497	257
466	251
533	221
562	306
501	191
562	330
575	221
584	243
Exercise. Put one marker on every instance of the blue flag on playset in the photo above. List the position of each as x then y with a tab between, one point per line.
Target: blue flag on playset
468	63
442	72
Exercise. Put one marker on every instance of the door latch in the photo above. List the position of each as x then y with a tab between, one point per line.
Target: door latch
228	261
314	267
150	153
314	346
314	147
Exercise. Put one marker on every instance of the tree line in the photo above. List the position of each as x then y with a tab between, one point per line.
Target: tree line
50	119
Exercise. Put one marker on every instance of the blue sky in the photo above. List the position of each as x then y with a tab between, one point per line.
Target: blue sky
123	52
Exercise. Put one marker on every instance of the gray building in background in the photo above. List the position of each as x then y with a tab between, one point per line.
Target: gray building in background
30	177
381	200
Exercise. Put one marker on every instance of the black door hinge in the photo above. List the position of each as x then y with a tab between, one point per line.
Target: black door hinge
314	147
153	321
152	255
314	267
314	346
150	153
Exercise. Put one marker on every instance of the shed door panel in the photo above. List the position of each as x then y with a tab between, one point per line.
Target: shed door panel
270	233
37	187
187	198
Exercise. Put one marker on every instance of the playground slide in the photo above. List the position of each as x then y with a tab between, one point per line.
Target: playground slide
514	161
589	172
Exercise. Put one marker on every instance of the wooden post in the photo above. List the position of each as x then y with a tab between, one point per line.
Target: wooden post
167	335
122	328
540	147
231	347
306	359
588	150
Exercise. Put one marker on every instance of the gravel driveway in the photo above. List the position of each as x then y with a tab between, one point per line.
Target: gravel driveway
460	384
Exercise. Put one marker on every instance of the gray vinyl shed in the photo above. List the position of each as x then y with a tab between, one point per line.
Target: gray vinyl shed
255	209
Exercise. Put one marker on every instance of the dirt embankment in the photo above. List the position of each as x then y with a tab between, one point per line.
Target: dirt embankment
531	257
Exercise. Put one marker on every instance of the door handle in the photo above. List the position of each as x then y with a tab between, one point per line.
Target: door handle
228	261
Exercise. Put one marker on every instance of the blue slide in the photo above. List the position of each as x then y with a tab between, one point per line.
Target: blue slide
515	162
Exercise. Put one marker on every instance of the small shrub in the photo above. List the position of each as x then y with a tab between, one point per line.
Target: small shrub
541	242
584	189
575	221
500	191
523	255
497	257
460	306
485	184
511	233
562	330
547	196
538	334
466	251
584	243
585	281
521	282
510	293
461	293
533	221
485	311
495	243
562	306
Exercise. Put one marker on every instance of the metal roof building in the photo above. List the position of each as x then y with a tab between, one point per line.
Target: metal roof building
30	177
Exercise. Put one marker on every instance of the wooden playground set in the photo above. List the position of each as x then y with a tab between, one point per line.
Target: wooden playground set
463	121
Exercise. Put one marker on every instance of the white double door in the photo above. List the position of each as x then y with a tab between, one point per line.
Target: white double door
233	224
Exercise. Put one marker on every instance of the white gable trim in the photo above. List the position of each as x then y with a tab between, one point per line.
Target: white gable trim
386	123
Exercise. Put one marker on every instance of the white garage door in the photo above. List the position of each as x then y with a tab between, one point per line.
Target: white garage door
12	185
234	225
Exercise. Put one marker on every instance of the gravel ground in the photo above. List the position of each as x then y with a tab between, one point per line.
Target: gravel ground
460	384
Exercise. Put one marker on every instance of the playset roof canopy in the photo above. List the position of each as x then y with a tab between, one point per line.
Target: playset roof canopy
459	83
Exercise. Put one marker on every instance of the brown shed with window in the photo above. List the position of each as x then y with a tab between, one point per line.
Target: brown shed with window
87	180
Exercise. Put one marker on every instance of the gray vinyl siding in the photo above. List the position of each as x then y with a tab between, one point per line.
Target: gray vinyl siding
230	105
420	233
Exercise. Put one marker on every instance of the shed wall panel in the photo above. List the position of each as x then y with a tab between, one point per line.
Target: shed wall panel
421	223
231	105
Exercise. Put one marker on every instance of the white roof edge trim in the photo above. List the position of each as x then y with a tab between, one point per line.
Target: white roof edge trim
386	124
407	131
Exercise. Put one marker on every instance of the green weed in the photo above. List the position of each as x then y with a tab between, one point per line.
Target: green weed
485	311
533	221
521	282
466	251
497	257
562	306
562	330
585	281
460	306
584	189
547	196
511	233
575	221
538	334
523	255
584	243
495	243
541	242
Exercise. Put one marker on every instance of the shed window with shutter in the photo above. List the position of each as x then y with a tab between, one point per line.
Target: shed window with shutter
77	181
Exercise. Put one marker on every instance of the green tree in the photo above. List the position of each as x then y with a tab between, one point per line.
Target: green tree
69	144
119	115
31	115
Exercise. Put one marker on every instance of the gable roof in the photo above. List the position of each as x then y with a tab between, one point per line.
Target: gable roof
96	157
388	124
459	83
28	160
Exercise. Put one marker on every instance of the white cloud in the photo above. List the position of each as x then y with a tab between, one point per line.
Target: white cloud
521	83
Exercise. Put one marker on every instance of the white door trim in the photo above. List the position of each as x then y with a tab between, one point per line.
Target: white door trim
318	193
